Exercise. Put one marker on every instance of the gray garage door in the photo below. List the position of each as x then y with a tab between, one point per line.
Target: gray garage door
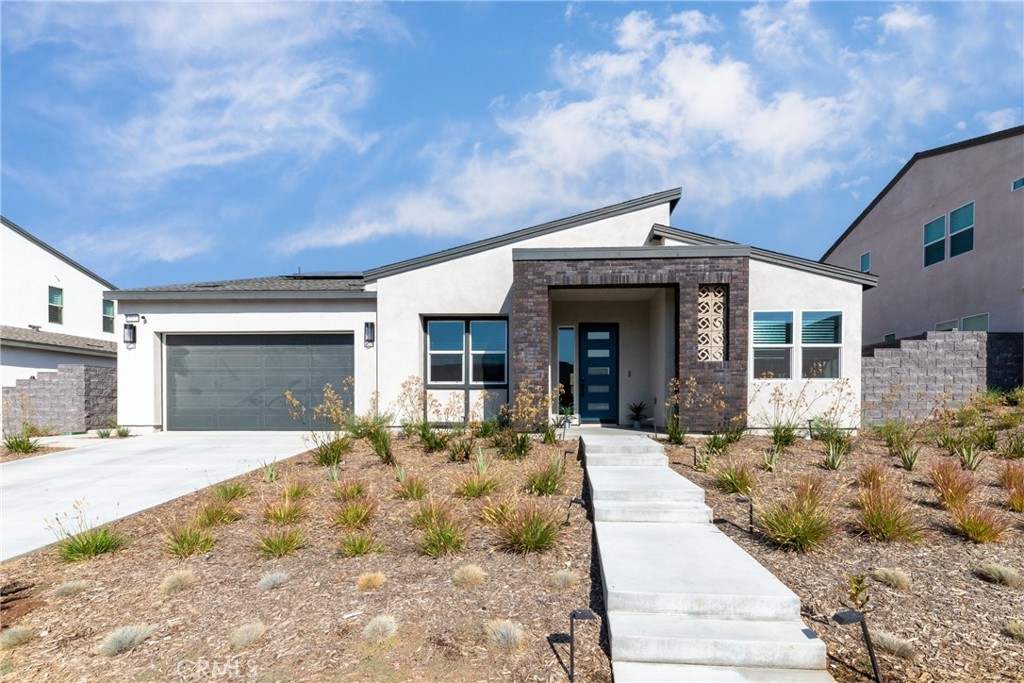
237	382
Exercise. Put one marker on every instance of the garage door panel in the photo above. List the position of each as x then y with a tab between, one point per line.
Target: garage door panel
237	382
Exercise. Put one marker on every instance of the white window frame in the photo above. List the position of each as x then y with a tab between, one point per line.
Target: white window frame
976	315
838	345
466	354
469	345
949	229
947	326
59	307
790	346
113	313
461	354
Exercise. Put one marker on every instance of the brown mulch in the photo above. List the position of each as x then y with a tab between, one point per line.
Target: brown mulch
953	618
10	456
314	621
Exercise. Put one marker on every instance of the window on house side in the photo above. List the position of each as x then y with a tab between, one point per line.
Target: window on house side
108	316
889	337
487	346
56	313
934	241
1017	184
948	326
446	351
773	344
975	323
961	230
821	344
865	262
455	345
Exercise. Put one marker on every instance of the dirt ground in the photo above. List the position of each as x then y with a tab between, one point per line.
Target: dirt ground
314	621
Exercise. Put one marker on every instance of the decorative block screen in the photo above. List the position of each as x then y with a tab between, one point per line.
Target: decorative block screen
712	308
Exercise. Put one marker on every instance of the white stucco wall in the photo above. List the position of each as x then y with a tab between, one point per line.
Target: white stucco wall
777	288
479	284
28	273
18	363
140	376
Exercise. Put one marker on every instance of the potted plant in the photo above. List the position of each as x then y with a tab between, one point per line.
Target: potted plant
637	413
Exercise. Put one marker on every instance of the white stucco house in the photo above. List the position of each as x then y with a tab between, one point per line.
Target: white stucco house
52	310
611	304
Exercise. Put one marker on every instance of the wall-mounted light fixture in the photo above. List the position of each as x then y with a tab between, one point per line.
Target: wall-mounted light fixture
129	333
369	334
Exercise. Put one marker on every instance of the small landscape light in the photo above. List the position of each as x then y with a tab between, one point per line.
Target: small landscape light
750	506
574	501
855	617
694	449
582	615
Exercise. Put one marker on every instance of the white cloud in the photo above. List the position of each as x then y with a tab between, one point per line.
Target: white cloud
905	18
1001	119
693	23
158	242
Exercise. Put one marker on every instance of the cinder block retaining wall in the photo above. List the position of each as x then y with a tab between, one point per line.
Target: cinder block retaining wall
905	379
72	399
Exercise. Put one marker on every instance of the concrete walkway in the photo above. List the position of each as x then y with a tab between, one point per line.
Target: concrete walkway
683	602
114	478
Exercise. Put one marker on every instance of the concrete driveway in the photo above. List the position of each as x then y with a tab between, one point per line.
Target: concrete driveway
115	478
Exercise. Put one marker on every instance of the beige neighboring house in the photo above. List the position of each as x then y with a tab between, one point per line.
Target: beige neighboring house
946	240
54	323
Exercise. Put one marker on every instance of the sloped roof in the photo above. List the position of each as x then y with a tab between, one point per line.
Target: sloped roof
756	253
46	247
945	149
54	341
314	285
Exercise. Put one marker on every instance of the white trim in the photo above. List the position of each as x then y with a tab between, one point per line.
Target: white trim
836	345
790	346
946	323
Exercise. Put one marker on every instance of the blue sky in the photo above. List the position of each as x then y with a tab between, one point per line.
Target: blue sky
164	143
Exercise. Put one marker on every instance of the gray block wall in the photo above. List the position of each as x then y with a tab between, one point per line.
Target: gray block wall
909	378
72	399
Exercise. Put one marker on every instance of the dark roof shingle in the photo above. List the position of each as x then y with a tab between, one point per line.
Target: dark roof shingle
26	336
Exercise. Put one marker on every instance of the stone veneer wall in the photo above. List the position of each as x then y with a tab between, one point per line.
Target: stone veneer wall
531	319
905	379
72	399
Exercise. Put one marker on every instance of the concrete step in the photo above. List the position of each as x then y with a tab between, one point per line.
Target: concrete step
674	639
646	672
626	460
641	484
667	513
637	443
691	569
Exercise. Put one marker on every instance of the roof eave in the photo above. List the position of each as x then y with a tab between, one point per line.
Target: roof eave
46	247
58	348
178	295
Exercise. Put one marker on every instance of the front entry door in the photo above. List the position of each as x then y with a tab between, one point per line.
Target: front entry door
599	372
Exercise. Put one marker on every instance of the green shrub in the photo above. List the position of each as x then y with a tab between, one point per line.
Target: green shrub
431	439
515	446
103	433
487	429
459	450
823	429
20	443
733	478
355	514
1014	448
783	435
477	486
547	480
331	452
123	432
269	471
835	454
188	541
296	491
886	516
380	442
125	638
895	433
361	426
230	491
495	512
285	512
675	430
430	512
443	536
873	475
979	524
908	456
215	513
550	433
410	487
801	522
350	489
769	459
357	544
953	485
88	543
530	529
716	444
984	438
281	542
969	455
332	473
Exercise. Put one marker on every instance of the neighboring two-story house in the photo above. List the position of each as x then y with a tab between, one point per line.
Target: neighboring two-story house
946	239
52	314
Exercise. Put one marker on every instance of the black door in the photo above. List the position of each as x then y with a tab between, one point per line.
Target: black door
599	372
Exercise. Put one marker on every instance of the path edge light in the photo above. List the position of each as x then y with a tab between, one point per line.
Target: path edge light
582	615
855	617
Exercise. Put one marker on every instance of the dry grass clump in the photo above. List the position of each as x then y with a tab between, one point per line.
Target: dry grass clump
530	529
1012	479
998	573
873	474
893	644
563	578
296	491
380	629
215	513
546	480
15	636
979	524
73	587
124	639
504	634
953	485
350	489
893	578
801	522
272	580
496	512
285	512
178	581
370	581
469	576
1015	629
733	478
885	515
247	634
230	491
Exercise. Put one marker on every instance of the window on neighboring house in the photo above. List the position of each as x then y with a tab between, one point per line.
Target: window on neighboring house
773	344
889	337
948	326
56	305
454	345
961	230
108	316
1017	184
865	262
935	241
975	323
821	344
